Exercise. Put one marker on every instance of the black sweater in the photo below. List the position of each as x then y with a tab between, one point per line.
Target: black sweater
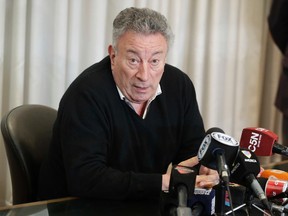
101	148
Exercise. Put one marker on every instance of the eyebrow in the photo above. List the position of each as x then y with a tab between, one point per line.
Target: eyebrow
132	51
135	52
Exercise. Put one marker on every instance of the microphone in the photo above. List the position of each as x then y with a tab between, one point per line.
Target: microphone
276	184
216	150
214	129
243	172
279	174
274	188
277	191
262	142
182	185
203	202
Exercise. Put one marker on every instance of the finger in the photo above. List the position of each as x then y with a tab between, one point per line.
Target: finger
191	162
206	171
206	185
205	181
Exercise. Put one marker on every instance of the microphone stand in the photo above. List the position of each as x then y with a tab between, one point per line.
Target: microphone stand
220	189
250	204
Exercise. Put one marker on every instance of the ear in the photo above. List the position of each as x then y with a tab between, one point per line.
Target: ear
111	52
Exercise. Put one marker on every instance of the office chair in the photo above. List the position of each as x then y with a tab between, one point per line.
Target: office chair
27	130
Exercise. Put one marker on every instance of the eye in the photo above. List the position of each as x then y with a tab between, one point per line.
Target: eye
155	62
133	61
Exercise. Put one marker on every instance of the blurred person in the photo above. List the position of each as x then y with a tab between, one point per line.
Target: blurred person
278	26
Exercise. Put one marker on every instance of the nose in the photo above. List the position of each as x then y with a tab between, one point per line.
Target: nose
143	72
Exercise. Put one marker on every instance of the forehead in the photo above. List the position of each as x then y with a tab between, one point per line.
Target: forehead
139	42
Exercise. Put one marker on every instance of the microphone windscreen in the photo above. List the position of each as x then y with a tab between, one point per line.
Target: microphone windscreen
246	163
279	174
258	140
214	129
275	187
181	175
216	142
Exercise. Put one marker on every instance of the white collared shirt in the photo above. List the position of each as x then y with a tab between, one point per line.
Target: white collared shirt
158	92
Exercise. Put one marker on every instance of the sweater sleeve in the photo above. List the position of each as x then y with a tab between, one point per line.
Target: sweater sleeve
192	126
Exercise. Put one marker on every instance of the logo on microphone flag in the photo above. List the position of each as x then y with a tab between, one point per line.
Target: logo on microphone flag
204	146
247	153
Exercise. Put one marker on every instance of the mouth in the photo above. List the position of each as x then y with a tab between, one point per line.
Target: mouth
141	89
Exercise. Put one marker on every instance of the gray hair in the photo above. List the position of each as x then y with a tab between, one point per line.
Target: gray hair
141	20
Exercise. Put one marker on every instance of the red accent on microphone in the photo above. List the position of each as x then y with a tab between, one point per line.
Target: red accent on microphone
275	187
258	140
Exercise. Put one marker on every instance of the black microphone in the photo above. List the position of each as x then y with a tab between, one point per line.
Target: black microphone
182	185
217	150
214	129
243	172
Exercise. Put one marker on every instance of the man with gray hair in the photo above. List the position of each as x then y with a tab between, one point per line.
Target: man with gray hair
125	119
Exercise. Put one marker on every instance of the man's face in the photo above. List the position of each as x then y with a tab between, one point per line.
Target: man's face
138	64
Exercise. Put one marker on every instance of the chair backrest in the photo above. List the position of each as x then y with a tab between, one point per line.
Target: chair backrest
27	131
